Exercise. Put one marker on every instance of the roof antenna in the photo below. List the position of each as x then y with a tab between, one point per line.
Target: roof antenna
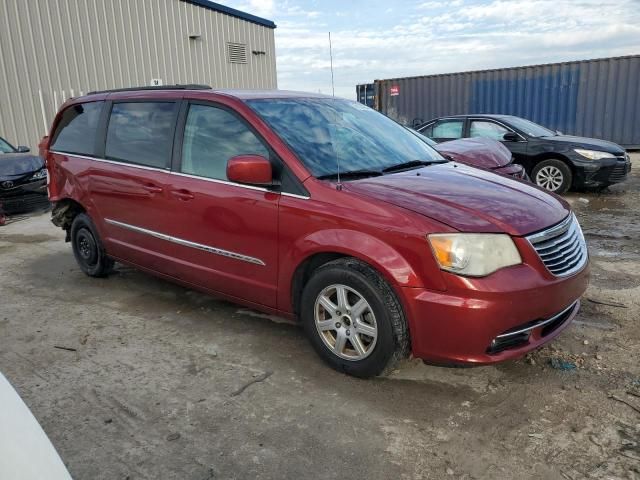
333	92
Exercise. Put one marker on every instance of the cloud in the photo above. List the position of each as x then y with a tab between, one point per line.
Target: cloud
264	8
428	37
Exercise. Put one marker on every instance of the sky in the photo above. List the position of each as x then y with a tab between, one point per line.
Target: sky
376	39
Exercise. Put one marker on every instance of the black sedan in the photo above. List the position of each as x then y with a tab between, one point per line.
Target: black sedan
23	180
553	161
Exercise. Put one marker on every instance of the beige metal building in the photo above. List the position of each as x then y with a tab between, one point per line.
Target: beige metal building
51	50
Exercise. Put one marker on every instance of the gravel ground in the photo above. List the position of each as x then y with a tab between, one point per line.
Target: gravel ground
158	382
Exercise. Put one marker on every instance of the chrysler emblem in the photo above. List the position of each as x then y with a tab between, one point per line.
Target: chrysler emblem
7	184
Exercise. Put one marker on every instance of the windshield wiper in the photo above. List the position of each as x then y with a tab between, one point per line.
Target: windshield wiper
351	175
409	165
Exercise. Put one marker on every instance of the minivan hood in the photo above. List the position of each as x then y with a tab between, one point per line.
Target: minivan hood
467	199
588	143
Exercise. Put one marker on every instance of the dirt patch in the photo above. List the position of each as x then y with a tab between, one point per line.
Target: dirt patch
28	239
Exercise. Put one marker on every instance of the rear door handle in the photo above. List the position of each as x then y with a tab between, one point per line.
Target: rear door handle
182	194
151	188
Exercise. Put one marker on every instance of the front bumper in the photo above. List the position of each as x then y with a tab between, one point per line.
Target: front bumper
24	197
468	322
600	173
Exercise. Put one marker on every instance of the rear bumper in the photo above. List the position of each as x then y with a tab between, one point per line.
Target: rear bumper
474	320
25	197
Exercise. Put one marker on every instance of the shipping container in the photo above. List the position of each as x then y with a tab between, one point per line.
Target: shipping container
366	95
591	98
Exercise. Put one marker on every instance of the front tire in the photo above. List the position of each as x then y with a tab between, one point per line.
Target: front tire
552	175
354	319
88	249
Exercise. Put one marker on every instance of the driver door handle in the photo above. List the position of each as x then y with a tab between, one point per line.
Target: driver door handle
152	188
182	194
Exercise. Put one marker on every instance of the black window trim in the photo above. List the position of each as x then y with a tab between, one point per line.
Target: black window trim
279	166
103	126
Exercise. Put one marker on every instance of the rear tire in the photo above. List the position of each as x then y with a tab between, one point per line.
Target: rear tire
353	319
552	175
87	247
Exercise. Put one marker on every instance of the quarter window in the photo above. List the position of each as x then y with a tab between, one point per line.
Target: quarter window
481	128
141	133
211	137
427	131
448	129
76	131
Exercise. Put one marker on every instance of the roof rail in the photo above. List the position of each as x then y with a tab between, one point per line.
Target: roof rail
188	86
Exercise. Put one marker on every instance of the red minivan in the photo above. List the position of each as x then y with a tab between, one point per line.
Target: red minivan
319	209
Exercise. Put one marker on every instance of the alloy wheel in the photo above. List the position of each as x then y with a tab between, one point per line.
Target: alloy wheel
550	178
345	322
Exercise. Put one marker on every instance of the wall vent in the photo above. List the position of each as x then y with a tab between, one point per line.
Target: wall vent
237	52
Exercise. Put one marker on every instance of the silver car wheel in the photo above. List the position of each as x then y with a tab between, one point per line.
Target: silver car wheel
550	178
345	322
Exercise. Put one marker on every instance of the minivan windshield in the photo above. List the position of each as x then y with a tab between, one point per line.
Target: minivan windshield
530	128
325	131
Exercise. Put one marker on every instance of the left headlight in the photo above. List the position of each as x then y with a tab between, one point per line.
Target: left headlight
474	254
42	173
593	154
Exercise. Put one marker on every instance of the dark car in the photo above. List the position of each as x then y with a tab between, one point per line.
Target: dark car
23	179
553	161
482	153
321	209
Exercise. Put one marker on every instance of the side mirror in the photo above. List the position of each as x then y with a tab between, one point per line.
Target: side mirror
250	169
511	137
23	149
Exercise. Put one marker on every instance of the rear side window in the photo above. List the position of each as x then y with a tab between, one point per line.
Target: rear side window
76	131
211	137
141	133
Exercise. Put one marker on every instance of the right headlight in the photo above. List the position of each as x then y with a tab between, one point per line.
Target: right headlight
474	254
593	154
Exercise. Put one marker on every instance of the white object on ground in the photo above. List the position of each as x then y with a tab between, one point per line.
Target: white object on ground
25	450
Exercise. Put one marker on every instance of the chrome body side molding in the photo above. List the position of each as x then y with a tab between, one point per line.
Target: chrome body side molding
187	243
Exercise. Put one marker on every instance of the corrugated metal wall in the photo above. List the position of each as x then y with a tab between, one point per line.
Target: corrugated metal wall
592	98
51	50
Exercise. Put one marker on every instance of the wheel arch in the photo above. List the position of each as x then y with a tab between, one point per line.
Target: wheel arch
303	273
553	156
331	245
63	213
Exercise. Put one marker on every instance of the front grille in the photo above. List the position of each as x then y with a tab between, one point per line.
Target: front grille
23	203
561	248
618	172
